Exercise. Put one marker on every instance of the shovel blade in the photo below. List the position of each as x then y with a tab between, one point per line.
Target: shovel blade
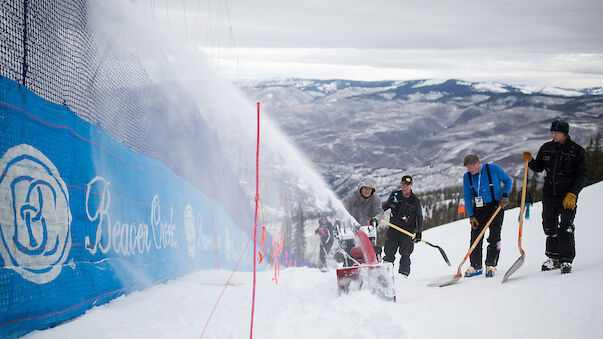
444	255
514	268
445	281
441	251
377	279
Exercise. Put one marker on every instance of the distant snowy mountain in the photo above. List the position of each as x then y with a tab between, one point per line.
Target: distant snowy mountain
420	127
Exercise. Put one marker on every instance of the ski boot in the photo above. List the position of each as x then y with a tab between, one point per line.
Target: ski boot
566	267
490	270
472	271
551	264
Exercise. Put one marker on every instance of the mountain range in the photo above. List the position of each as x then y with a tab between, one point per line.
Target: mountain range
420	127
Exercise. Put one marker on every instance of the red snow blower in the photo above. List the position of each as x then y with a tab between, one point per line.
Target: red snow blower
361	270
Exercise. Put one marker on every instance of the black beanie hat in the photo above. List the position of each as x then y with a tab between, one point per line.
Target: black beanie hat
560	126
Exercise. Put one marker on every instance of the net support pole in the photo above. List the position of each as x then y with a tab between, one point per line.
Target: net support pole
24	70
255	222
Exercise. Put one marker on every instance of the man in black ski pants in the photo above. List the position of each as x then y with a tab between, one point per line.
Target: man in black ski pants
405	212
565	164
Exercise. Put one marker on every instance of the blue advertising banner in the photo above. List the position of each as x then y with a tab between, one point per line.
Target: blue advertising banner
84	219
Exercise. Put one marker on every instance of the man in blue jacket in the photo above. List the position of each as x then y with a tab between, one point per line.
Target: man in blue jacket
485	187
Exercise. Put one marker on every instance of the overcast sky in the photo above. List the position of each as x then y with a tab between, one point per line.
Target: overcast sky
538	43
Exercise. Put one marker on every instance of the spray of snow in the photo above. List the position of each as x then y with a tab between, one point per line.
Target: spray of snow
174	63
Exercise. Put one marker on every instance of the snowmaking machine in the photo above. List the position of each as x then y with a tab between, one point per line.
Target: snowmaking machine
361	269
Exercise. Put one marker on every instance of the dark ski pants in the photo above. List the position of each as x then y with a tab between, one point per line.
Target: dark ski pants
558	225
483	214
324	249
397	240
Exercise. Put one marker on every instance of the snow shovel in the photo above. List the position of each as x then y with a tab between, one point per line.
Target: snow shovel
422	240
366	273
445	281
522	258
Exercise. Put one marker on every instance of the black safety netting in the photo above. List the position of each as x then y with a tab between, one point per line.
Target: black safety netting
49	47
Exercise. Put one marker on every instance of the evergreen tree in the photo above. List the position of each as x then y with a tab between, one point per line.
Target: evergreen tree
594	160
533	187
513	194
300	241
440	206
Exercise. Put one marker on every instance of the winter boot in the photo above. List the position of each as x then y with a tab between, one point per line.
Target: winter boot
472	271
490	270
551	264
566	267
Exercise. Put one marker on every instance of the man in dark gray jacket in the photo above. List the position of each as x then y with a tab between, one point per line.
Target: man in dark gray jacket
364	205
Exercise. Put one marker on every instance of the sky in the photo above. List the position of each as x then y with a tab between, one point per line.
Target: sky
535	43
305	302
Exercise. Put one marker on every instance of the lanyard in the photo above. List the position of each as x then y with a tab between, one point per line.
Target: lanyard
479	180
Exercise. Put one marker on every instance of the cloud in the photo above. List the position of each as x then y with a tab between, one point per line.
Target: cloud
436	24
538	42
534	69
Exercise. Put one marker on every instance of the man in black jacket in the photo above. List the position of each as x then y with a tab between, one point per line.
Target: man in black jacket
407	214
565	164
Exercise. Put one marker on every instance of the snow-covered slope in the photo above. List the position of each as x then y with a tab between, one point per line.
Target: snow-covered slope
304	303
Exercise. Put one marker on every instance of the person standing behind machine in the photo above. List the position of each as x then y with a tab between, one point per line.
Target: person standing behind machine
365	206
325	232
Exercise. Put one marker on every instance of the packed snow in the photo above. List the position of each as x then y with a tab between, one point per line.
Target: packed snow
493	87
429	82
555	91
305	302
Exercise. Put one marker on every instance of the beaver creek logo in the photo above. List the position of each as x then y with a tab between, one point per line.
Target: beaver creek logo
35	220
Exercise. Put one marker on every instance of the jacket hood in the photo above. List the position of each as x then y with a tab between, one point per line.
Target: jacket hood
368	181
